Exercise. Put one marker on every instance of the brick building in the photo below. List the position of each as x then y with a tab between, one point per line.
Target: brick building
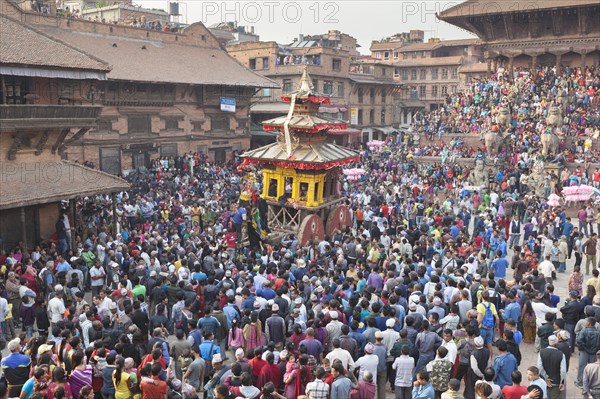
429	70
35	129
329	58
166	94
521	34
373	98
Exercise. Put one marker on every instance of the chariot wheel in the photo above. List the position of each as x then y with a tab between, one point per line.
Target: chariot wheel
339	218
311	228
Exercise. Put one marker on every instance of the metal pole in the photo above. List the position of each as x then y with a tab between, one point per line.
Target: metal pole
73	224
23	229
113	198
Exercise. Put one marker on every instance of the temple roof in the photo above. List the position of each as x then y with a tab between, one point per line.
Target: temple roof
472	8
69	180
305	122
304	156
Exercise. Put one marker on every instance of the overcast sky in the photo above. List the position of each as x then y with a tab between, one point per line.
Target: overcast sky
282	21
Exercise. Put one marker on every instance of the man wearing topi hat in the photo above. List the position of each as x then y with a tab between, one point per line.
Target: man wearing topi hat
553	367
479	361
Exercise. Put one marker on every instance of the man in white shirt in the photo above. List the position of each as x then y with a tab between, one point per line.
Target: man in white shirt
540	309
449	344
340	354
546	267
97	275
56	306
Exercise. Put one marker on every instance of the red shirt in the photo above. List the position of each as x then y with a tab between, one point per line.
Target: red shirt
514	391
231	239
257	365
158	390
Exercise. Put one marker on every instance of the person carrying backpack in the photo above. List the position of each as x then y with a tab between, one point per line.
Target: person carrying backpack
487	317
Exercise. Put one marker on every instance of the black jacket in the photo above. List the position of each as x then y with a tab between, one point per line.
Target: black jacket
571	311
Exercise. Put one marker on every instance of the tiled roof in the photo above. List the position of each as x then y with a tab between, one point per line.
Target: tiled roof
307	153
436	45
403	47
157	61
484	7
431	61
479	67
56	181
22	45
370	79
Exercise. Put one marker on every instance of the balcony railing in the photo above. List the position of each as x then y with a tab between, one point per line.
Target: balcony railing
48	116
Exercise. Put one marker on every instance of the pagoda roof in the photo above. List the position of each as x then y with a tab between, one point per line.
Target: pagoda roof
307	156
473	8
310	123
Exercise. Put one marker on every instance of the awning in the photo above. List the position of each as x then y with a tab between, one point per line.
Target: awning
262	133
343	132
51	73
275	108
386	130
52	181
332	109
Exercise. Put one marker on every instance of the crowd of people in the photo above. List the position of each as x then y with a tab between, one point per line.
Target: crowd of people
427	294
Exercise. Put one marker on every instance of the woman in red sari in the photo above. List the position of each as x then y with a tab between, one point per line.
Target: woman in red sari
295	381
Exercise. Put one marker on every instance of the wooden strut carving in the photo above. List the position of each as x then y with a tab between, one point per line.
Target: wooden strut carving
60	139
39	148
16	145
76	136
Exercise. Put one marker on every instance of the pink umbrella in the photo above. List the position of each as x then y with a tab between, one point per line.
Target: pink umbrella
553	200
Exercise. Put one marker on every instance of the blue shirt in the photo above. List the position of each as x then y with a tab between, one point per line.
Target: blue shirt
512	311
209	322
266	293
499	267
423	392
231	313
567	228
238	217
208	349
248	303
517	336
63	267
502	247
454	231
28	388
504	365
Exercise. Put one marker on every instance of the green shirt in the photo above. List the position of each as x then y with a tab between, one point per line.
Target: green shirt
138	290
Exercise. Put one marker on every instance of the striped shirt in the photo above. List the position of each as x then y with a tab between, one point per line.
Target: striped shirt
404	368
79	378
317	390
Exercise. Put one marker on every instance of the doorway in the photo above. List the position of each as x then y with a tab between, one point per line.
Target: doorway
221	153
140	160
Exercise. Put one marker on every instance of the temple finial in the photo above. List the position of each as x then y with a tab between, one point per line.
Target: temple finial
305	86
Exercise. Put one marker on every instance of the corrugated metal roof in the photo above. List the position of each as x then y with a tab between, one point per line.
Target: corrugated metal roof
310	153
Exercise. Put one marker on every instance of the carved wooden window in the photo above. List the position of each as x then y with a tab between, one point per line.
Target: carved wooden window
139	124
220	123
